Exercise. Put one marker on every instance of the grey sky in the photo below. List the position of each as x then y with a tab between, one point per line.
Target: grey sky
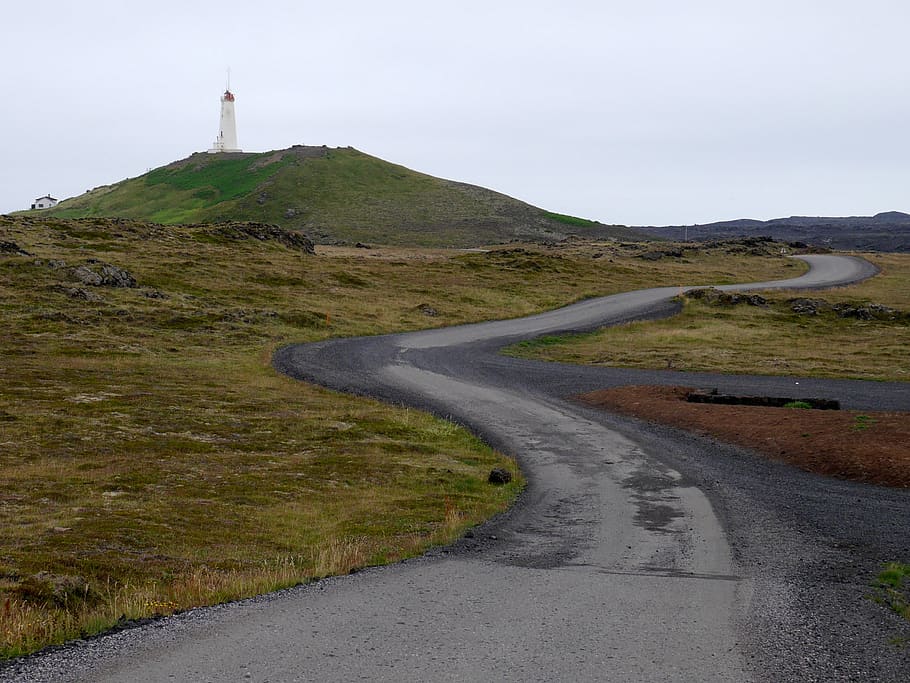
648	112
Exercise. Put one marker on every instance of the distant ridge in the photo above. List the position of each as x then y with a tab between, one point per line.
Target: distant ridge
335	195
887	231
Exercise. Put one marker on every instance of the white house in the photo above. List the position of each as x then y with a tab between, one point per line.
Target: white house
44	202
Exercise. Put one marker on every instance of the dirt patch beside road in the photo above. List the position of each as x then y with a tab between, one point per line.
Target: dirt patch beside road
868	446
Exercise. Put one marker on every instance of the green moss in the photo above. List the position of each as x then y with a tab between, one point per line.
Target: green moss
220	179
571	220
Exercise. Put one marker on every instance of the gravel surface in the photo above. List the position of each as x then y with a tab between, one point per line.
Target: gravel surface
637	553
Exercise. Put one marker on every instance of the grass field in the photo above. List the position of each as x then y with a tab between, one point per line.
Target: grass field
153	460
770	339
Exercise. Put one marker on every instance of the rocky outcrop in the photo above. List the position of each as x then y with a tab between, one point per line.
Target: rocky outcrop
96	274
658	254
863	311
716	297
265	232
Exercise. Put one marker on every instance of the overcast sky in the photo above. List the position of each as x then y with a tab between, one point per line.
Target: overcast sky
646	112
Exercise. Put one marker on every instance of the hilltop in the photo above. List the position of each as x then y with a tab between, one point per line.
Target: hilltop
335	195
888	231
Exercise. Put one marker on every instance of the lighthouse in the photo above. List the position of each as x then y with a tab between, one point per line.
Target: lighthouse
227	133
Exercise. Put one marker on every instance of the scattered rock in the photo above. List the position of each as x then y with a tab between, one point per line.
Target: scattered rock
498	475
868	312
361	245
154	294
428	310
79	293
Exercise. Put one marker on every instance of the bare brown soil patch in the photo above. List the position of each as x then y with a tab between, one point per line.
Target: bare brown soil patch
868	446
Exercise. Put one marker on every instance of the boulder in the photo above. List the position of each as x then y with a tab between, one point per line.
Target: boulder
716	297
103	275
805	306
499	476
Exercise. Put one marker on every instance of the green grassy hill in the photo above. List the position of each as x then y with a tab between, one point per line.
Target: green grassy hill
334	195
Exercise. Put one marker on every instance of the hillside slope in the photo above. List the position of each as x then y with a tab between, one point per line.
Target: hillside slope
332	194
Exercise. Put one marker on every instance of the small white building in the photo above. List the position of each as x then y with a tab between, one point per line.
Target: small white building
44	202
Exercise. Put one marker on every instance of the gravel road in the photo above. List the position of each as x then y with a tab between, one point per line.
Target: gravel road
637	552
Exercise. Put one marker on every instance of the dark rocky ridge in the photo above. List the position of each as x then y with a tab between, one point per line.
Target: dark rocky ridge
889	231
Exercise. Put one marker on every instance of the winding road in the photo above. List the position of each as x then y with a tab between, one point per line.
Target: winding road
637	552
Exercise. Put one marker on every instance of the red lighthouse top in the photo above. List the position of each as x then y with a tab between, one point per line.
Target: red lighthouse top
228	96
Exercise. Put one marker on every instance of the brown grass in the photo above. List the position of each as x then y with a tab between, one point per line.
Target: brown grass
868	446
154	461
771	340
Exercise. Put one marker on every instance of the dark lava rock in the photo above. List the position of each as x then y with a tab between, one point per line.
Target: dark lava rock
499	476
713	397
428	310
361	245
12	248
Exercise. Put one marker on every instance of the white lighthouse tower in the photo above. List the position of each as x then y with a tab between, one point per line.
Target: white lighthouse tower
227	134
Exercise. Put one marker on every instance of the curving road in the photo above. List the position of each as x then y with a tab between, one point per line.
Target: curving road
637	553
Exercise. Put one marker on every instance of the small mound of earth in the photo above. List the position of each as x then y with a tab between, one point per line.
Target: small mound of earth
868	446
